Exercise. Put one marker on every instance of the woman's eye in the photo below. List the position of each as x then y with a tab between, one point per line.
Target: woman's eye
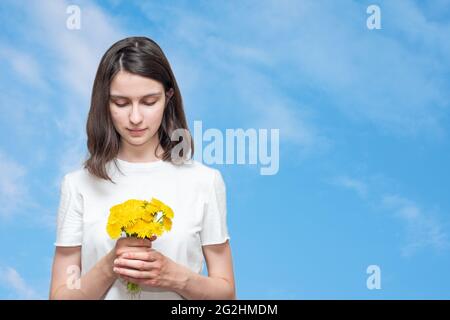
125	104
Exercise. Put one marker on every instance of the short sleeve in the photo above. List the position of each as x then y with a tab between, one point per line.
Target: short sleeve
214	223
70	216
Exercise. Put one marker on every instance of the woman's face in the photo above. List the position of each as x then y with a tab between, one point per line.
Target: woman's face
136	103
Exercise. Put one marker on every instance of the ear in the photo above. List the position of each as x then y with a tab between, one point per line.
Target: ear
169	93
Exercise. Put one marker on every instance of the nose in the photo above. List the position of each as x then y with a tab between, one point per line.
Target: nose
135	116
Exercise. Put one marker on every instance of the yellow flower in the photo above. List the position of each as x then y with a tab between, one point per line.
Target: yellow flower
114	230
157	228
168	212
167	224
164	208
140	229
139	218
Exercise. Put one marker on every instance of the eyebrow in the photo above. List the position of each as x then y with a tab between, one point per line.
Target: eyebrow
114	96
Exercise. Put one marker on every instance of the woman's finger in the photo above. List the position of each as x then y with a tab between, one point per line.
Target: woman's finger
146	255
132	273
125	249
141	265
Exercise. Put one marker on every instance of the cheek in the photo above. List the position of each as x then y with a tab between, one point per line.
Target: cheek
113	113
117	116
154	117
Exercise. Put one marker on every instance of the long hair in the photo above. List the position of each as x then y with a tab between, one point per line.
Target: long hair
144	57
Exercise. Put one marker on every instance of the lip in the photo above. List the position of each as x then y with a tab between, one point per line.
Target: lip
137	132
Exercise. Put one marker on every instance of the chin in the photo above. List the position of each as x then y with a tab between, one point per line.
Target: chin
138	142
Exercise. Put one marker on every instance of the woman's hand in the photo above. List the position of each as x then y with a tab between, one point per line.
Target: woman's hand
130	244
150	268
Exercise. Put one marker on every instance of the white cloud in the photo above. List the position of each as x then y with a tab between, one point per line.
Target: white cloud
378	76
423	230
24	65
270	109
78	51
20	289
16	198
12	185
356	185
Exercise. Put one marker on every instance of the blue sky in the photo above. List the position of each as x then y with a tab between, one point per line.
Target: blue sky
364	134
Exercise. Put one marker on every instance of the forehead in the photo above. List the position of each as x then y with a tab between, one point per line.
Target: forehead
133	86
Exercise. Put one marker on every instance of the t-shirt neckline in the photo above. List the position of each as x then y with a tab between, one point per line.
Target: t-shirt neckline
138	166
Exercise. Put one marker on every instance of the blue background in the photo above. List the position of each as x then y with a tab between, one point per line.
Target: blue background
363	118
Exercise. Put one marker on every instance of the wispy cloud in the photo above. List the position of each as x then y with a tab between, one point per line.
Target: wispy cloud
12	185
347	182
19	288
78	51
271	109
392	87
16	197
423	230
24	65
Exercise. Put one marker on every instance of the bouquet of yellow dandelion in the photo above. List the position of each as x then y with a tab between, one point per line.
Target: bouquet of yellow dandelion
141	219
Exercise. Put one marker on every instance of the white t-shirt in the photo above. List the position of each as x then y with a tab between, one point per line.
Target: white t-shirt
196	193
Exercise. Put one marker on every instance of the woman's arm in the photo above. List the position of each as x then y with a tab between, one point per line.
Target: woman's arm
154	269
92	285
219	284
96	282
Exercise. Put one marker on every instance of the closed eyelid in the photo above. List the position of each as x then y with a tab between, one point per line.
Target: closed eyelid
124	100
150	102
127	103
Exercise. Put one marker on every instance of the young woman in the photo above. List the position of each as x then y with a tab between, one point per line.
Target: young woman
136	108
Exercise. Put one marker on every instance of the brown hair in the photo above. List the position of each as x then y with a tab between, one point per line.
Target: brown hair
144	57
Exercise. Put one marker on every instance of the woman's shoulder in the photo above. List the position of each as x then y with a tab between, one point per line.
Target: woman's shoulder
200	177
76	176
197	175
